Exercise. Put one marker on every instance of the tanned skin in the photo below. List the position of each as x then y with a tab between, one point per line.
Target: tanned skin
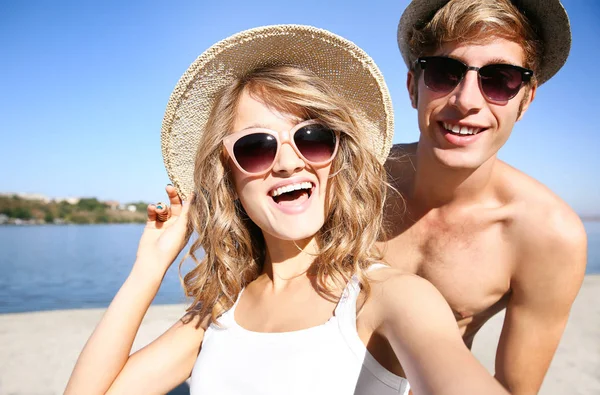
485	234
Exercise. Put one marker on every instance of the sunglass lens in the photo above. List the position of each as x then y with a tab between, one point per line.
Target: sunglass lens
443	74
500	82
255	152
316	142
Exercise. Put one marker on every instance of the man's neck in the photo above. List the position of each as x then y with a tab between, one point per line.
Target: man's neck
436	185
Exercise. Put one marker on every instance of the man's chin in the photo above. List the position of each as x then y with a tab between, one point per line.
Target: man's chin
458	160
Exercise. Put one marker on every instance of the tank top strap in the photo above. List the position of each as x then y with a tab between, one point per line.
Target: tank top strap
227	319
346	307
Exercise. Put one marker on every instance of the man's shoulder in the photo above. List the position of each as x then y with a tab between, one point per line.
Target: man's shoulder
541	222
536	206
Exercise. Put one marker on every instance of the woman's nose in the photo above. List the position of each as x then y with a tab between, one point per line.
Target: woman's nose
288	161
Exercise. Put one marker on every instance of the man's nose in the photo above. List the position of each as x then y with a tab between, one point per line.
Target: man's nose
467	96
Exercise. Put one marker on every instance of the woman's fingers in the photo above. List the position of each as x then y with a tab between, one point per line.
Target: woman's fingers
162	212
151	210
158	212
182	221
174	200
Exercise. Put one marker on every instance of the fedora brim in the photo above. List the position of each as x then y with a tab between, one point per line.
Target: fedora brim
548	17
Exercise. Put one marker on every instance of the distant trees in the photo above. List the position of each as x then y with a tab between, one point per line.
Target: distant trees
16	212
90	204
15	207
86	211
48	218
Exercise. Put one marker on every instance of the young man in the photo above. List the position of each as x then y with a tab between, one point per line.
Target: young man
486	235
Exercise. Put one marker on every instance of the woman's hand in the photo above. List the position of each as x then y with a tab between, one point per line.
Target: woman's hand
166	232
104	364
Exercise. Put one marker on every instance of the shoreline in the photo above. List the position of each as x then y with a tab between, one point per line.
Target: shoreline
32	222
24	223
49	342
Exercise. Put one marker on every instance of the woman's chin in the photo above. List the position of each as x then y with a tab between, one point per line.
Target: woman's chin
296	233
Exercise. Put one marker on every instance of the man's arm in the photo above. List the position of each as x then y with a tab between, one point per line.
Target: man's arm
547	277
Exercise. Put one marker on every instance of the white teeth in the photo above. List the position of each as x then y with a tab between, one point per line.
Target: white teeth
461	129
290	188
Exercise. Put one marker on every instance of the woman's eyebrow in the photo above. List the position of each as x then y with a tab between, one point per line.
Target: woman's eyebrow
256	126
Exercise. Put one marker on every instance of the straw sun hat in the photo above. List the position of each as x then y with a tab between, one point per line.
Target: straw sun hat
548	17
346	67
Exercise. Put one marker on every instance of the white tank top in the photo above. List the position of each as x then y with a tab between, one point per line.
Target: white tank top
326	359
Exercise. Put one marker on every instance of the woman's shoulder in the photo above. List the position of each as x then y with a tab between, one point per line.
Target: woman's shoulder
397	293
386	279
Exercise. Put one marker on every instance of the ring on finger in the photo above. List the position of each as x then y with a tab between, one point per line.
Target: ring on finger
164	215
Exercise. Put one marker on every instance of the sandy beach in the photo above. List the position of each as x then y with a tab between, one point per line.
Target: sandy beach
38	350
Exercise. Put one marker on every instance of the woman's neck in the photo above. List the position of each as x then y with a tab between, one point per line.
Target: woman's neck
288	260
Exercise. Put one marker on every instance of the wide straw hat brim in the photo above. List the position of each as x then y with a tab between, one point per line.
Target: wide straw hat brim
342	64
548	17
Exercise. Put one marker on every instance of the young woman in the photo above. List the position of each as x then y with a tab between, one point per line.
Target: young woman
287	127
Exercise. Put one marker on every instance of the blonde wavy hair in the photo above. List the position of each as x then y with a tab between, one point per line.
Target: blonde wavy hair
478	22
233	245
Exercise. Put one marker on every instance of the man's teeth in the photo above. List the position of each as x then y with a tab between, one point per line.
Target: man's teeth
290	188
461	129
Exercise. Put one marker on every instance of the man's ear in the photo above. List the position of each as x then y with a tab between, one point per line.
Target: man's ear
413	89
527	100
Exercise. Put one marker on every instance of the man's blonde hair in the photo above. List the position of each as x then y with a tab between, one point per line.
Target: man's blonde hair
478	22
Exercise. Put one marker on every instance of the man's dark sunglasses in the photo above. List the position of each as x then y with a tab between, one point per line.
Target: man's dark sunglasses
498	82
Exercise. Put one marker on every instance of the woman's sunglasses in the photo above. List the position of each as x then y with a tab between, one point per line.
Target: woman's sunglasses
254	150
498	82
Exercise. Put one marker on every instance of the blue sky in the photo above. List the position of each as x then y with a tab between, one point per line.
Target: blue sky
85	83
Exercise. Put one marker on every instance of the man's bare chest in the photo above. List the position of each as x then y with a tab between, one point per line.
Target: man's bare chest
469	262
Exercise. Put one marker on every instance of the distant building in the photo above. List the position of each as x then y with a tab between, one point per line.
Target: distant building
39	196
29	196
131	208
70	200
112	204
3	218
